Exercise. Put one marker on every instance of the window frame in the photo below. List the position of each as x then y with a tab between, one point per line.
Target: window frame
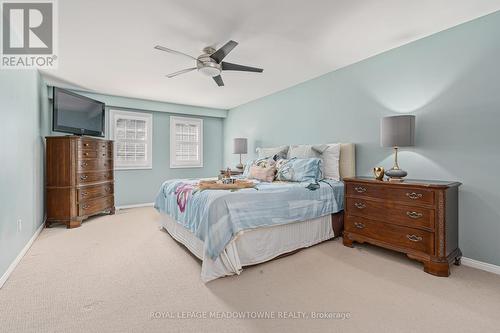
174	164
148	117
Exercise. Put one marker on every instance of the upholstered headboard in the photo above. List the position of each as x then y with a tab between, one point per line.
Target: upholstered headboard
347	164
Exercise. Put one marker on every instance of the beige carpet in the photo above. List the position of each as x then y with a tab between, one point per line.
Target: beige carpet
111	274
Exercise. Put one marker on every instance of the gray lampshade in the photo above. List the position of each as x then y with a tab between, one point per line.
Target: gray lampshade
397	131
240	146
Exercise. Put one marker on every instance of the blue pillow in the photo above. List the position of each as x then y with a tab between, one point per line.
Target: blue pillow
300	170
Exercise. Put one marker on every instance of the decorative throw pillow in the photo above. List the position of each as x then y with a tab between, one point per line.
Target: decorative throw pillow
281	151
261	162
300	170
265	174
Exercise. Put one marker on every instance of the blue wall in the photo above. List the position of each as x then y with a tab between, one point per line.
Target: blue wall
141	186
450	81
22	108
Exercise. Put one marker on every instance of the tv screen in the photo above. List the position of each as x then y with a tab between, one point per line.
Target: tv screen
76	114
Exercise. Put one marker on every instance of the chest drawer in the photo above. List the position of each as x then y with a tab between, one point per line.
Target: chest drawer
89	144
101	154
95	165
95	206
410	195
93	177
410	216
396	235
97	191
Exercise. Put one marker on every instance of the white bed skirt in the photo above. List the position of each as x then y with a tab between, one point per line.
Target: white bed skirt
252	246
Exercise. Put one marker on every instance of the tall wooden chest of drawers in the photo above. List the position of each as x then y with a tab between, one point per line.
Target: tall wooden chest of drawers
416	217
79	179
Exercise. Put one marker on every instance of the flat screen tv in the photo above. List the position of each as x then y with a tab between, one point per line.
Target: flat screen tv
76	114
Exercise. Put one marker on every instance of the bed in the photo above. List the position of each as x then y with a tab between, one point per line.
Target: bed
228	230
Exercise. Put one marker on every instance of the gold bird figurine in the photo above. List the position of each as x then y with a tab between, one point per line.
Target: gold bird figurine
379	173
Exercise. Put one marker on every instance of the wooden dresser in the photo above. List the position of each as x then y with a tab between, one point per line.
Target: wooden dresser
79	179
416	217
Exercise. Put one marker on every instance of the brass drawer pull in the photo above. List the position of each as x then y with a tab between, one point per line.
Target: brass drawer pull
359	205
84	194
107	189
414	215
85	206
86	144
414	238
359	225
84	177
86	154
84	164
414	195
360	189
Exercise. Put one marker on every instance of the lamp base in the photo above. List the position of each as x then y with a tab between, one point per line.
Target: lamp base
396	175
239	166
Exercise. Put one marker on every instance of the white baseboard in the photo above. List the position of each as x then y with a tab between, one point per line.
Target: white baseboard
20	256
481	265
147	204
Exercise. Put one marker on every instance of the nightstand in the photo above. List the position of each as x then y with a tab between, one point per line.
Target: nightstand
416	217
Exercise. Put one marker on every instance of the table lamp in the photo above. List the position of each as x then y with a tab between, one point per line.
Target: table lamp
395	132
240	147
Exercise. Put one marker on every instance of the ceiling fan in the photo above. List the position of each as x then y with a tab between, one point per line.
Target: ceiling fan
210	62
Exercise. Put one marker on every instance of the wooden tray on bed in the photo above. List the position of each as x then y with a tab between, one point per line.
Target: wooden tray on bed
214	185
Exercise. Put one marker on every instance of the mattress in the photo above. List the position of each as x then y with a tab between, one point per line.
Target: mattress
253	246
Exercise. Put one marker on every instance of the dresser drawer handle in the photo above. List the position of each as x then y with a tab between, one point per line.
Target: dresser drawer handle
84	177
84	164
414	195
84	194
85	206
107	189
414	238
86	144
86	154
103	154
359	205
414	215
360	189
359	225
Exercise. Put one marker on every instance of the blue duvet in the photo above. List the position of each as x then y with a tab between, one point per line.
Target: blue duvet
216	216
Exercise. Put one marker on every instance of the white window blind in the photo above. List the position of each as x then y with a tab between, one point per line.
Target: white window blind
132	133
186	142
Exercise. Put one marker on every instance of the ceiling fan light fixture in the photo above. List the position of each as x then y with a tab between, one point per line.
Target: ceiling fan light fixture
210	69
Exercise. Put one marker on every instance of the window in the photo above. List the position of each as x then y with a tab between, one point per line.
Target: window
132	133
186	142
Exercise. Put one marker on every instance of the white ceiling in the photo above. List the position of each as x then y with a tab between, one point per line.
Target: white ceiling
107	46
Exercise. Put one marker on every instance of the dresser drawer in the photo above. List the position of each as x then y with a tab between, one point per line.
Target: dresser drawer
400	236
409	216
97	191
95	206
387	192
93	177
95	165
102	154
89	144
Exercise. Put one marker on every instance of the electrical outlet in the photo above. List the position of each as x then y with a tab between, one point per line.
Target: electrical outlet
19	225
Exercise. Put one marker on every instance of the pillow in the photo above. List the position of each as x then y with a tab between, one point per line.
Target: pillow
265	174
300	170
331	161
304	151
261	162
329	153
281	151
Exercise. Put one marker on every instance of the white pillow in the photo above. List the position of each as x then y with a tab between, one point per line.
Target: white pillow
304	151
331	161
270	152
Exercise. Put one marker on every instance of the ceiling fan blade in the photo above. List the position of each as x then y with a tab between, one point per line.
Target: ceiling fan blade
162	48
223	51
218	80
171	75
227	66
